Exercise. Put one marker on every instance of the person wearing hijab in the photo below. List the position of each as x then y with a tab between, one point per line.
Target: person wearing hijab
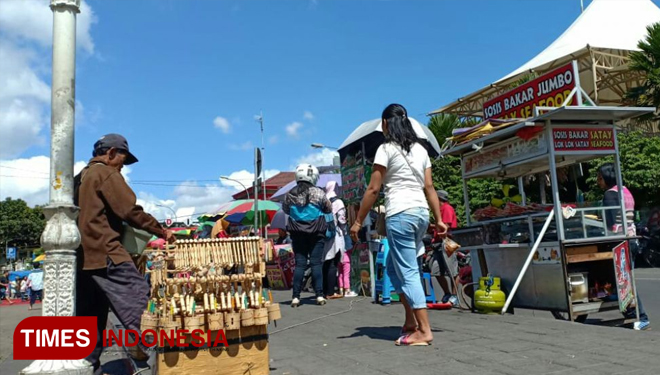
344	262
334	247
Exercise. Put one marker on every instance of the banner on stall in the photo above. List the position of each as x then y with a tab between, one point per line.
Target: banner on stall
623	275
583	139
548	90
507	152
354	178
360	269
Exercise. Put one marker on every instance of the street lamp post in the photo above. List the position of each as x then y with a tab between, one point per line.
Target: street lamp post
174	217
61	236
238	182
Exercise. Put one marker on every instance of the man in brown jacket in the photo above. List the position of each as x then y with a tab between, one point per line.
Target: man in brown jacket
108	277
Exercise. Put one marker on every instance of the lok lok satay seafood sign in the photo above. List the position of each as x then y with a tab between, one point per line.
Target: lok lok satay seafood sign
549	90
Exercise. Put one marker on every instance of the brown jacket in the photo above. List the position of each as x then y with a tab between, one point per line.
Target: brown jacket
105	202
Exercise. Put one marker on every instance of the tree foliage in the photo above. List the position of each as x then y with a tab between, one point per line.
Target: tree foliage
647	62
20	225
640	169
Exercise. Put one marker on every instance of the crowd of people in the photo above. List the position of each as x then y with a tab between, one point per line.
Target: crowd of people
29	288
319	237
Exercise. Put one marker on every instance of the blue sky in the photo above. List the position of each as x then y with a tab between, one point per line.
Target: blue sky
183	80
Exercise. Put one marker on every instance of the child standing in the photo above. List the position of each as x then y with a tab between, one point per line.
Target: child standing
345	274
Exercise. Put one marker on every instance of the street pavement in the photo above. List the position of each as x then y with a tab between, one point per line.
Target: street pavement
354	336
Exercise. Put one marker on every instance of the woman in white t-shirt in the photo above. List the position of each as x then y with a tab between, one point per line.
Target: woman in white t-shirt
403	166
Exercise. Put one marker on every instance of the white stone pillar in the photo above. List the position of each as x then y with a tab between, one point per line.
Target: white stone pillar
61	237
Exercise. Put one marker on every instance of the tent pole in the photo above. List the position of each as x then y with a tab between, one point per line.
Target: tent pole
594	73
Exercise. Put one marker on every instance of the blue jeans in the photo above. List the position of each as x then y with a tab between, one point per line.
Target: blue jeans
630	314
308	247
404	234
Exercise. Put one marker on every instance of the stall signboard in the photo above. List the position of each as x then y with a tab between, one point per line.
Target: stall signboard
287	263
510	151
623	275
275	277
354	178
548	90
583	139
360	269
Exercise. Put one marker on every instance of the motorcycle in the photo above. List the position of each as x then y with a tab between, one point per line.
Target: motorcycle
649	245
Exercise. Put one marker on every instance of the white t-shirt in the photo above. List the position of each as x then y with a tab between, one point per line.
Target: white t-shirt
402	189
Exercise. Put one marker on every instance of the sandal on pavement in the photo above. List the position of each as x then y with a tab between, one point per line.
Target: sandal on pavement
405	341
405	332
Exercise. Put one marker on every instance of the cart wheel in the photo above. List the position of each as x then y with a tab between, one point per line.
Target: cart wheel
560	315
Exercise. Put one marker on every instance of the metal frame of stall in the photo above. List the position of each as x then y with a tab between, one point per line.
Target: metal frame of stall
530	283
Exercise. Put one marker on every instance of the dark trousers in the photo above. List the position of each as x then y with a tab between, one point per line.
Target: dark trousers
308	246
119	287
34	294
330	275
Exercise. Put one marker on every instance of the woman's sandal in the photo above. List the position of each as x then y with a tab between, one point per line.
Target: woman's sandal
405	341
405	331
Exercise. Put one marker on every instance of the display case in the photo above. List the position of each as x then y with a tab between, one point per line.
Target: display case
550	254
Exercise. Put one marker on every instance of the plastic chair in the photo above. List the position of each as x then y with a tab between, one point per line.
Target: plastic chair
428	280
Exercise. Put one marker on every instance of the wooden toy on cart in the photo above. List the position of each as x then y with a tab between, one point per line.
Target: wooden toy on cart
212	285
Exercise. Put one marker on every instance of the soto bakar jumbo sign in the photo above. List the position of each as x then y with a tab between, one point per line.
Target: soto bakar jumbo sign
548	90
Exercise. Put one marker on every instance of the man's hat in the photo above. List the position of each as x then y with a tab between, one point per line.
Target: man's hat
117	141
443	195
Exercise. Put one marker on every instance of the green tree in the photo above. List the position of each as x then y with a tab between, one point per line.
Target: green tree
647	62
20	225
447	170
447	176
640	169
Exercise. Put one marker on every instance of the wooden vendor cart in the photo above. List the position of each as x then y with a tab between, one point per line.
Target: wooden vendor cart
550	255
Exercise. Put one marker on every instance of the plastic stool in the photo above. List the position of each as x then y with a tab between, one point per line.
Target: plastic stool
430	297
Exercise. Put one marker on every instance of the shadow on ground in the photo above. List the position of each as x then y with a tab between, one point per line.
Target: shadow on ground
378	333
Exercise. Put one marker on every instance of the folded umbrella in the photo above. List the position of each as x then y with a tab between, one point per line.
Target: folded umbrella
279	220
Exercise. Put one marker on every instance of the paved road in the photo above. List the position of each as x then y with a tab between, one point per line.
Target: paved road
353	336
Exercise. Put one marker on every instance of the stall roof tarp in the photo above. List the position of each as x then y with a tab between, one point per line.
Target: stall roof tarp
600	38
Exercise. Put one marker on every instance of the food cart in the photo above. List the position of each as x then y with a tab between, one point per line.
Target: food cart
550	255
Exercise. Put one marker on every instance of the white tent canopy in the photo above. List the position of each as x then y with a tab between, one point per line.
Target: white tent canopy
600	40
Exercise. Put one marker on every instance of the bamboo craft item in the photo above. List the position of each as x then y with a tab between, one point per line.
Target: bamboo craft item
191	287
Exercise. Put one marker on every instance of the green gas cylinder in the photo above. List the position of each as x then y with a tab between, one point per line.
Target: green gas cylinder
489	298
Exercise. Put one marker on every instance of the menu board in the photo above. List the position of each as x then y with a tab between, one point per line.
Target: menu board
623	274
360	269
354	178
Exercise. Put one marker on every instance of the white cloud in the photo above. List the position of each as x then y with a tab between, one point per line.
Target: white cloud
28	178
308	116
293	129
246	178
273	139
26	29
245	146
222	124
24	99
321	158
33	20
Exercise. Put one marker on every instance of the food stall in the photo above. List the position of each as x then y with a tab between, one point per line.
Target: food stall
552	255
